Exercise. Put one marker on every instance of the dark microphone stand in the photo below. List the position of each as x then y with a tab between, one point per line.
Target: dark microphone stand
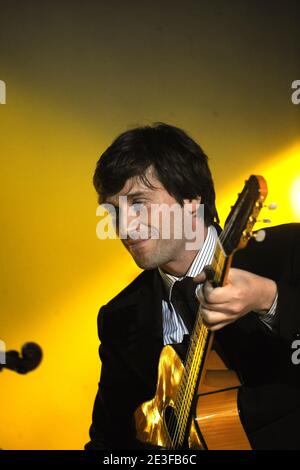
31	356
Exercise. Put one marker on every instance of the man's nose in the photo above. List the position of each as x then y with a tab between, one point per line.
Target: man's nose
128	222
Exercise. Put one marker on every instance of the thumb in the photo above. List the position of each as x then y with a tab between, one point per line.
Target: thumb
207	274
200	278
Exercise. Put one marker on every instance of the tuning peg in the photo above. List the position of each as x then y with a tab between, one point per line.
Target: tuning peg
265	221
259	236
271	206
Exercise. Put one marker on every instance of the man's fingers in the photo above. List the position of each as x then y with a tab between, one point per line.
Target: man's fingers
207	274
207	290
214	320
219	326
203	292
215	295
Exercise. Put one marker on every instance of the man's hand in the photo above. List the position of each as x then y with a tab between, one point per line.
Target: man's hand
243	293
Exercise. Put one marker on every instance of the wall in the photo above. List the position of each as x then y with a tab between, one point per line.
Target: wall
76	75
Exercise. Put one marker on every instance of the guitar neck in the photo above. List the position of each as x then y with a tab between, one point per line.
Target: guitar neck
237	232
200	345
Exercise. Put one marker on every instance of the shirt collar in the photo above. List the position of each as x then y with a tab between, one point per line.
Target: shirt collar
202	258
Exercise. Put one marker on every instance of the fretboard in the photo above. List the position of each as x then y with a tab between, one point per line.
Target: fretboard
197	353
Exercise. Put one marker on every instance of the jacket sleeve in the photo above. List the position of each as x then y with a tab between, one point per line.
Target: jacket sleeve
112	426
100	419
288	287
288	310
278	258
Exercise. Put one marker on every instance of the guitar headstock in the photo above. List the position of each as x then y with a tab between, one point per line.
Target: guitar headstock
243	215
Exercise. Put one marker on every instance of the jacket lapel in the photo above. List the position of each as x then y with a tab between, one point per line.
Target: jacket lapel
144	345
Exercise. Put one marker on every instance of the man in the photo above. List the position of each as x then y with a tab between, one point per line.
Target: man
255	316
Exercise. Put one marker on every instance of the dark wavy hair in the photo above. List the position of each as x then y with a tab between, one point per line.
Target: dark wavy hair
178	161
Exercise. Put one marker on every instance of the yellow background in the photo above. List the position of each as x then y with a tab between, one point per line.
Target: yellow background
75	78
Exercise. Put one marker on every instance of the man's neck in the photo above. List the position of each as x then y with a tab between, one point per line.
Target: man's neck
181	265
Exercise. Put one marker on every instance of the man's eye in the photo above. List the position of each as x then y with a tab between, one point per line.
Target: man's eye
114	212
137	205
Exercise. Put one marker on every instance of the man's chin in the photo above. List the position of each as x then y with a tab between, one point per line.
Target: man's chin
145	264
150	255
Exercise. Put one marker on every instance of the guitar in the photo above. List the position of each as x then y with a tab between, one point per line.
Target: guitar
195	404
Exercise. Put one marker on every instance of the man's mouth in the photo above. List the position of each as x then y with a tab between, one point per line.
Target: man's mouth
136	243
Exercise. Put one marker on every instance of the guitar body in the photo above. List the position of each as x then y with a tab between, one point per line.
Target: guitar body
215	422
217	416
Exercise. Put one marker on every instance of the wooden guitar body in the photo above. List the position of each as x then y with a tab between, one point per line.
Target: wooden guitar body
215	422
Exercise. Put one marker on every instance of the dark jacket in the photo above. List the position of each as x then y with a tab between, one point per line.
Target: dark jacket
130	332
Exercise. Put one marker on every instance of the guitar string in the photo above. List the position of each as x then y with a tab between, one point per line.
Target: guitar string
190	386
183	400
192	383
197	335
178	433
188	382
178	424
193	366
216	259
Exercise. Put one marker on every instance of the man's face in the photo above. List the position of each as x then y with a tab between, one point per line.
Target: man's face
149	230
